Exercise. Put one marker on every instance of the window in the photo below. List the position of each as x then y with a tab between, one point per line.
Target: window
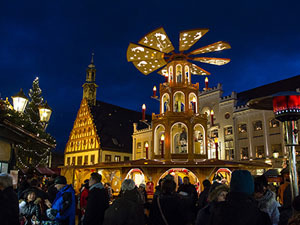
214	134
243	128
86	159
73	160
117	158
79	160
244	153
92	159
227	131
229	152
139	145
68	161
260	152
276	148
107	158
274	123
257	125
126	158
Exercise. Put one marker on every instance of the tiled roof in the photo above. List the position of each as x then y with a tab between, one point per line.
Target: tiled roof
290	84
114	126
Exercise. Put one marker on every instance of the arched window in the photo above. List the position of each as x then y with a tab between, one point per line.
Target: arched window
187	73
158	133
171	73
179	137
178	102
178	73
193	102
199	139
165	103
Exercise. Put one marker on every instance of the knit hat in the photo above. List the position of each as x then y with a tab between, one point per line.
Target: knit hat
60	180
242	181
128	185
213	195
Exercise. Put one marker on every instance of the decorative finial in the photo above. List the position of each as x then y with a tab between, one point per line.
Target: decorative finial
92	60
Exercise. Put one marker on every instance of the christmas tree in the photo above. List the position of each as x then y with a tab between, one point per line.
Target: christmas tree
31	153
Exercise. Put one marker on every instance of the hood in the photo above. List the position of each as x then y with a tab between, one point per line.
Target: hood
97	185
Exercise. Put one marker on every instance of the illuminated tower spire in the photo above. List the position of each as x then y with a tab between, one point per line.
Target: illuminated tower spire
90	87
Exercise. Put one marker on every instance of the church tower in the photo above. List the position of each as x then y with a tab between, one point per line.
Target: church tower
90	87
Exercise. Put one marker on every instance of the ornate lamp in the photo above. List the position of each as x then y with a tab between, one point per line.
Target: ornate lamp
286	107
20	101
45	112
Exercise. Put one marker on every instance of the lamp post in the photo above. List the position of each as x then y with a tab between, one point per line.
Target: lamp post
162	142
45	113
20	101
286	107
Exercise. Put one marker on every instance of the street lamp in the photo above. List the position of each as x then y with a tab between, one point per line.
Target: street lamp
19	101
286	107
45	113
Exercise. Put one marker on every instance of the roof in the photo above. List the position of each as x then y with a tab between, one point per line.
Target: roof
114	126
290	84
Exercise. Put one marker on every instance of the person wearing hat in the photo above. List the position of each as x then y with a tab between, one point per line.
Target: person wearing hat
240	207
63	208
216	195
127	209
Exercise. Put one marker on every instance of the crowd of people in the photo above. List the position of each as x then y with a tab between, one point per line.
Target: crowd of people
52	201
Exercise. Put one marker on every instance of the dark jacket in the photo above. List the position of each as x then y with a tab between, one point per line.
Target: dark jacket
204	214
126	210
173	209
30	209
96	205
238	209
9	207
203	198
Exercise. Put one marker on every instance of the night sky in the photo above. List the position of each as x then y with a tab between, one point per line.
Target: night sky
54	40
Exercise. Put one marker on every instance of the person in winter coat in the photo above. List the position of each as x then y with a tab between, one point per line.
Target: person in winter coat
9	205
240	207
128	208
215	196
204	194
63	208
30	209
98	201
295	219
167	208
266	199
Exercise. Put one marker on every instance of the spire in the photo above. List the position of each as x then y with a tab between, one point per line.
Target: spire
92	61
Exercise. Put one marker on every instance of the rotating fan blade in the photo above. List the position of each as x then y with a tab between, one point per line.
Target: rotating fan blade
163	71
148	66
190	37
157	40
214	61
218	46
196	70
138	53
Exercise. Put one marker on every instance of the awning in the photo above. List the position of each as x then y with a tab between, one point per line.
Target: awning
45	171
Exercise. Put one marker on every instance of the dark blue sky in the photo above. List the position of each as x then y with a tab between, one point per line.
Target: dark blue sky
54	40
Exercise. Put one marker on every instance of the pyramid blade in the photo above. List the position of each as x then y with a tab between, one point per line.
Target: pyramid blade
196	70
218	46
149	66
190	37
163	71
157	40
214	61
138	53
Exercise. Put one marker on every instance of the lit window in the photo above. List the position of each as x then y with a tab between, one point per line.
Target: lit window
257	125
260	152
274	123
244	153
228	131
107	158
243	128
117	158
